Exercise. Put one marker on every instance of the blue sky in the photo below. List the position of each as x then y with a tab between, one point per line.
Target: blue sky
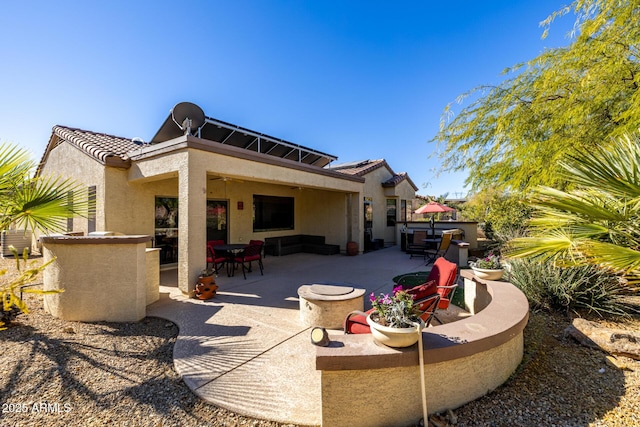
356	79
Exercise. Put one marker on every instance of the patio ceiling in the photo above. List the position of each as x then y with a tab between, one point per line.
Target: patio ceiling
236	136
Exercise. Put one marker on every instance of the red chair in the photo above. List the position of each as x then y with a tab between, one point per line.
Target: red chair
441	281
214	261
425	298
444	274
249	254
259	243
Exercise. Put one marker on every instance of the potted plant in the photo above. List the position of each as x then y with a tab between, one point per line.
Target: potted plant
206	287
393	322
488	268
206	276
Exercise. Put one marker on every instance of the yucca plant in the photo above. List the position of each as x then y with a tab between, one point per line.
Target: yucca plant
36	203
596	223
575	288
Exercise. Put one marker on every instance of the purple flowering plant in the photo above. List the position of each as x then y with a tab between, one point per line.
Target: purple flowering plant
490	262
395	310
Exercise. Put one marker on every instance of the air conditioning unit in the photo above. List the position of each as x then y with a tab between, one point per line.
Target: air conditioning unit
19	239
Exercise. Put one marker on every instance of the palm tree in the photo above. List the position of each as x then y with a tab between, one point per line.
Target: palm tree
598	221
35	203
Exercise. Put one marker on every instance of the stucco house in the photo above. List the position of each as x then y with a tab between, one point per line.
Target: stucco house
386	198
229	182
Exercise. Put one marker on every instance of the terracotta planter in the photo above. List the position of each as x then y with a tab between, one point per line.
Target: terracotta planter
488	274
352	248
206	288
394	337
206	280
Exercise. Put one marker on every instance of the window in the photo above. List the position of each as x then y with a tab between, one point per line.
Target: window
272	213
392	208
368	214
70	204
91	219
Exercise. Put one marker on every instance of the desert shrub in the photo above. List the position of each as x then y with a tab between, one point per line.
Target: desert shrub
497	213
574	288
12	287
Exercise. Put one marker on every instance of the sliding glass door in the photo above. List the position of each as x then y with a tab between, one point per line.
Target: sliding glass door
217	220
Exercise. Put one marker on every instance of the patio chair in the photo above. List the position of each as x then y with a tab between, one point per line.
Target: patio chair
247	256
418	248
443	274
214	260
259	243
426	298
433	254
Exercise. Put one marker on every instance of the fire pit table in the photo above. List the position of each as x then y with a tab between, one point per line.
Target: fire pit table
326	304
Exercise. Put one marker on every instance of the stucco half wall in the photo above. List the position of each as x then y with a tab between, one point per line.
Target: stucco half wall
463	361
102	278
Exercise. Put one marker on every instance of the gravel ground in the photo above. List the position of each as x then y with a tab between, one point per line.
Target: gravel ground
59	373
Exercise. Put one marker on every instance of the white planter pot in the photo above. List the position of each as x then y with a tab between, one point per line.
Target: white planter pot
488	274
394	337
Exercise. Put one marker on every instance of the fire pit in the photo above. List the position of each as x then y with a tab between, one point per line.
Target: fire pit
326	304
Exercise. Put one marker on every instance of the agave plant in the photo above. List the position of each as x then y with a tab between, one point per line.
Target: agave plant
598	222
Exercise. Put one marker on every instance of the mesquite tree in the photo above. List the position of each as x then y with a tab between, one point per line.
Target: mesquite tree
566	100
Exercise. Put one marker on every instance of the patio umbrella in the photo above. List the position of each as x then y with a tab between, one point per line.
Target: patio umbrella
433	208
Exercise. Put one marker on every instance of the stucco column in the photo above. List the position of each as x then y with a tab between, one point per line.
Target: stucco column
192	227
356	219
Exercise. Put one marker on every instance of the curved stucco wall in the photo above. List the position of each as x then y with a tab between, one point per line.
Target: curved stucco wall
463	361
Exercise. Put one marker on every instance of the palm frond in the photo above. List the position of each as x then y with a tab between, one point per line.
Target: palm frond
613	168
615	257
15	165
44	203
554	246
592	204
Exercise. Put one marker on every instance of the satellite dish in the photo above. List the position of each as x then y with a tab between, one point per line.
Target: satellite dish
138	141
187	116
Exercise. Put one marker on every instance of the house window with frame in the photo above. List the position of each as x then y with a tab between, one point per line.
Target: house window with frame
70	203
91	218
392	212
272	213
403	211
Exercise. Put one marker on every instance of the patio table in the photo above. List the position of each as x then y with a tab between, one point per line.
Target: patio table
231	250
432	242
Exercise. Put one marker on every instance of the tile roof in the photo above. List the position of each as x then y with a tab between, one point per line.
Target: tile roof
397	179
360	168
107	149
99	145
363	167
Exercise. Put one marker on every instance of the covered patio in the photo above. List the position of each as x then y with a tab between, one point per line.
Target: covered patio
247	349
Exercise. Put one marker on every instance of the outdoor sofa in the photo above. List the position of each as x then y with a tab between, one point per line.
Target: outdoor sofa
285	245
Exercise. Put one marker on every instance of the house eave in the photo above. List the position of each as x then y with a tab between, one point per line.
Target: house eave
192	142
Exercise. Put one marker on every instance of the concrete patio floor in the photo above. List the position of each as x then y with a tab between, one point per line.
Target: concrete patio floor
246	350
